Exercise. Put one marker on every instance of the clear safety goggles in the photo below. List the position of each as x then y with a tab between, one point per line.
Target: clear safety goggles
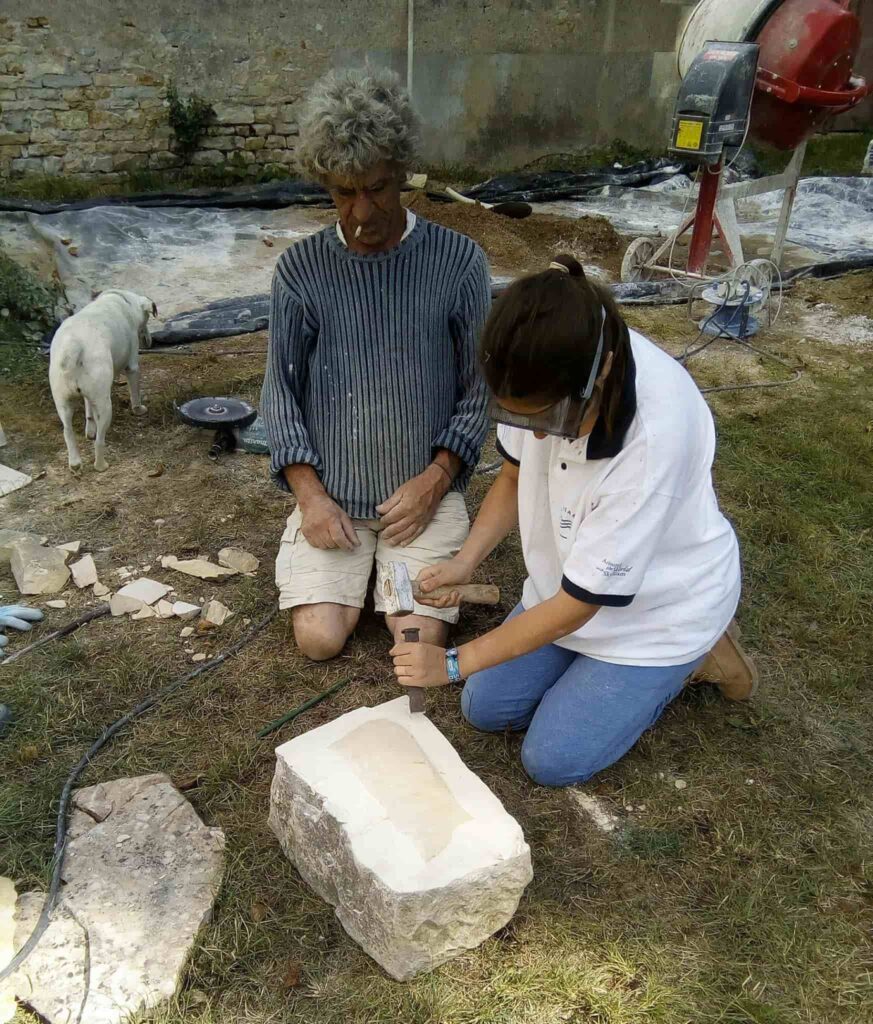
564	418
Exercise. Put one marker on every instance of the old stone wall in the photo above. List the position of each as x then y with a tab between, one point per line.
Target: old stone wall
498	82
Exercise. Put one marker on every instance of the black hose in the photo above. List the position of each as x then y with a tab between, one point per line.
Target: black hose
66	793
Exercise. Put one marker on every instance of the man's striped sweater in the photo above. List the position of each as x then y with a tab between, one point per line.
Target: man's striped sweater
372	362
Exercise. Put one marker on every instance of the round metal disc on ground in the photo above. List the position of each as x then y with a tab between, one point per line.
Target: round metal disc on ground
634	265
217	412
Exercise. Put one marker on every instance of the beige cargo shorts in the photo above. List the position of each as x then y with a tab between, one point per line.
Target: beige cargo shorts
307	575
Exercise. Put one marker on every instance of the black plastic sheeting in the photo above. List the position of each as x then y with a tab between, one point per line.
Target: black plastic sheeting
273	195
550	186
228	318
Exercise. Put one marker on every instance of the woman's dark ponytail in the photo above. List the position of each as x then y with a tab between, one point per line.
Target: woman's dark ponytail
572	267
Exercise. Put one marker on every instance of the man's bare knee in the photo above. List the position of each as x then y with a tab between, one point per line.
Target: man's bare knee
431	631
321	631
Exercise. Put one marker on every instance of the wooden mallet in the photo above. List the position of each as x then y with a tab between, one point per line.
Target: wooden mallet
399	593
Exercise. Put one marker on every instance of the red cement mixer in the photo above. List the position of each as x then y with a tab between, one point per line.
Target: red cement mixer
771	70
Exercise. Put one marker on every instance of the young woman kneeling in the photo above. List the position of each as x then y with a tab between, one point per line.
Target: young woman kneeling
633	571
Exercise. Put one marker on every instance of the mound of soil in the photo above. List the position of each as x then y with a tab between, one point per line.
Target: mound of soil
519	246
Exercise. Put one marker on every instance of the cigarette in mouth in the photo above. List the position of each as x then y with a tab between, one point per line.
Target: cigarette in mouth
358	230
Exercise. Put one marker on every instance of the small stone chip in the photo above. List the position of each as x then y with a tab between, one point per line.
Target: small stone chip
198	657
680	784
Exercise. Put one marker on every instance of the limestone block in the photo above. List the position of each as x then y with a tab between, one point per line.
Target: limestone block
27	165
120	605
199	567
183	610
72	118
230	113
65	81
9	538
237	558
208	156
38	570
84	572
45	149
383	819
142	873
145	590
164	160
10	479
7	948
215	614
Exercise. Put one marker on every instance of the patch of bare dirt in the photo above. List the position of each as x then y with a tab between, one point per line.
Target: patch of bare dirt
851	295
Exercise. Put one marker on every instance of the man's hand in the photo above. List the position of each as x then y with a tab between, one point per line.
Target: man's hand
406	514
447	574
419	664
326	526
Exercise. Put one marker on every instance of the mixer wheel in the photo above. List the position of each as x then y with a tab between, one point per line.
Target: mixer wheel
634	265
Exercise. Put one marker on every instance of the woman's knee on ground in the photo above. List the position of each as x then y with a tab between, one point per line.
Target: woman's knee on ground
548	766
480	711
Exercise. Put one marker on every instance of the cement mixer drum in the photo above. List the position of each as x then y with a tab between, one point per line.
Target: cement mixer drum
805	68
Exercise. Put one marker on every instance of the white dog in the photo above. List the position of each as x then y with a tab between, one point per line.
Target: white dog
88	350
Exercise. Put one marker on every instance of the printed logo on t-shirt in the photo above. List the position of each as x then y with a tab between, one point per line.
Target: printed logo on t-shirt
565	522
609	569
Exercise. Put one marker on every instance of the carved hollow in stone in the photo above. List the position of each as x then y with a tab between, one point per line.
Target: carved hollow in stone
383	819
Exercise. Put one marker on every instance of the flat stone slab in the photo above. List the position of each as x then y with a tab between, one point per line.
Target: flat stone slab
11	480
38	570
9	538
141	876
7	947
384	820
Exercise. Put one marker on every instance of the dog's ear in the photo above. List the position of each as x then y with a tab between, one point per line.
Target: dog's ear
154	310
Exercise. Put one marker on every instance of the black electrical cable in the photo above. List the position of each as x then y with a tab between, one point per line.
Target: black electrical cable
691	351
66	793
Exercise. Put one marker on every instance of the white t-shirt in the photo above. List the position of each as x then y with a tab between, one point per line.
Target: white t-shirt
407	231
631	522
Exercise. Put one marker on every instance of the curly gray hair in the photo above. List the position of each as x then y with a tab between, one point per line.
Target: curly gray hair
352	120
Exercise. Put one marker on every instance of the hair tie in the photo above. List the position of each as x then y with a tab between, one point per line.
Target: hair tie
559	266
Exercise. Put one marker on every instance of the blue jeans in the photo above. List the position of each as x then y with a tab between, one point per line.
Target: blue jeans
581	715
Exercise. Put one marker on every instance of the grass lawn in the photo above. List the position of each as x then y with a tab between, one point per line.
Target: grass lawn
744	898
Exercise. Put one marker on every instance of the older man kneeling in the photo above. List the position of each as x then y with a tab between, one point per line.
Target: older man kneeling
374	409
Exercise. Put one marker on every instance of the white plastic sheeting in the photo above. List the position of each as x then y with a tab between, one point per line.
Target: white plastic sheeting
832	217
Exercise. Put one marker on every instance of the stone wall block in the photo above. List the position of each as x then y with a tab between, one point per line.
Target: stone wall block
227	113
207	158
72	118
70	81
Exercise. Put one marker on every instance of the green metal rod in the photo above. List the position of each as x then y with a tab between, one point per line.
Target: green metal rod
305	706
